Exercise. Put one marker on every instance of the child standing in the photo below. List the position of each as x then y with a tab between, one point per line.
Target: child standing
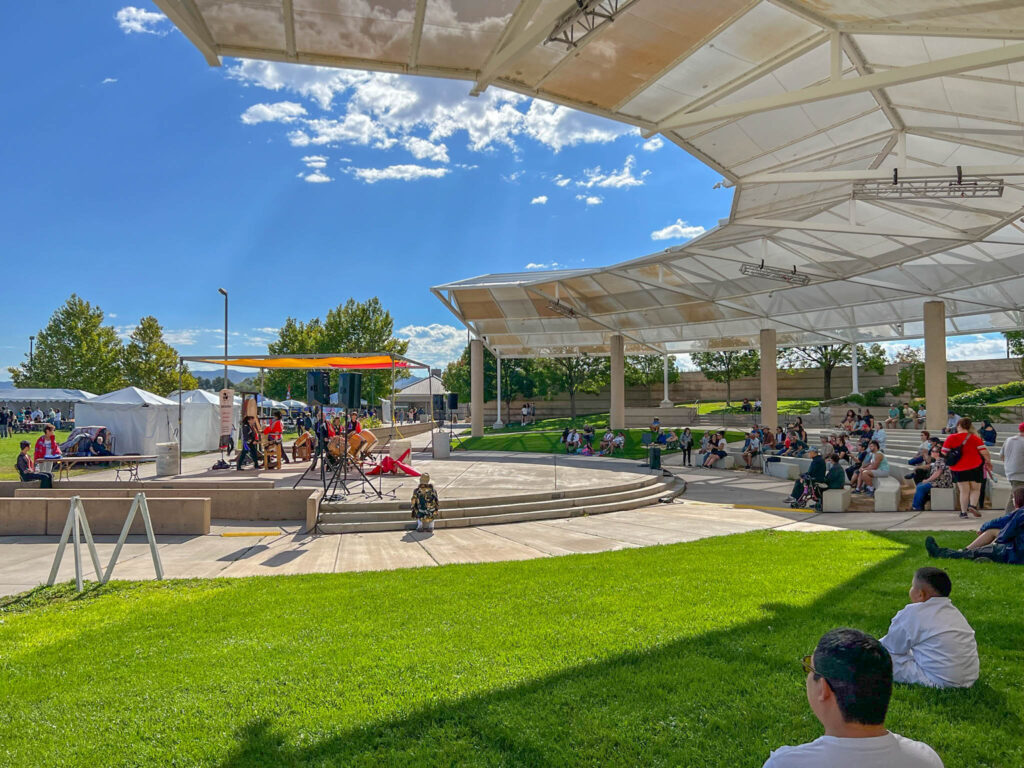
930	641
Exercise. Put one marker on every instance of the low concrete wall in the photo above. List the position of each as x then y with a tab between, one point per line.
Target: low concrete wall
8	488
225	503
669	417
47	516
313	509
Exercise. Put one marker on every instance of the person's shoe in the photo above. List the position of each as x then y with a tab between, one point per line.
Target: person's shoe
963	515
788	500
917	509
931	545
909	476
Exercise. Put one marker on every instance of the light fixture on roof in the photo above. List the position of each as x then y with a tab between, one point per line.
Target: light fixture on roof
775	273
579	23
925	189
562	309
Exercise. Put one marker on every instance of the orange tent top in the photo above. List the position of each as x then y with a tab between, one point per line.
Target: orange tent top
371	362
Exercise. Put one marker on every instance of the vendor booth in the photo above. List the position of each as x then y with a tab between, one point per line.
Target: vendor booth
137	419
200	417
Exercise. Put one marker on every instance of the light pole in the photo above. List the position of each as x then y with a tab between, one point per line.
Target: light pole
31	354
225	294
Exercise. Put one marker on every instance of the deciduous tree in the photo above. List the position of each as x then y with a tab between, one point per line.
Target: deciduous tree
572	375
726	367
829	357
150	363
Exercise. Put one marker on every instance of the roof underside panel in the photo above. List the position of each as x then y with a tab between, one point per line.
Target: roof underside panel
758	90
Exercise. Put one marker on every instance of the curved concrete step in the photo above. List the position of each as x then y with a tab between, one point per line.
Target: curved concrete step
499	514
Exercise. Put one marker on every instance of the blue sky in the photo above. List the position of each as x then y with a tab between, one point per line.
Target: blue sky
142	179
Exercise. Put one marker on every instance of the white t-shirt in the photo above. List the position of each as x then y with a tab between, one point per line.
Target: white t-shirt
940	639
888	751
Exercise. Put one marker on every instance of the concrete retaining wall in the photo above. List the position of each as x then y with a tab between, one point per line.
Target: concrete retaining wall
106	515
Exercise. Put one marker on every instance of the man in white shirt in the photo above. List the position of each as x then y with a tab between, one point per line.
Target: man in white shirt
849	683
1012	454
930	641
880	436
524	412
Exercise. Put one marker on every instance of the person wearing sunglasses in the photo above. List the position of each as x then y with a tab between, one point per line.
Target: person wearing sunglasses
849	684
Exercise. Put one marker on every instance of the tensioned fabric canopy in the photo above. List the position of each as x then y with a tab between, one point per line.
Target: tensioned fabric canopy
875	147
351	362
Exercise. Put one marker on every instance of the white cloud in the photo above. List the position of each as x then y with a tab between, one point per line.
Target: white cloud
111	314
403	172
320	84
678	231
278	112
434	344
137	20
591	199
685	363
552	265
267	330
561	181
539	200
653	144
513	177
620	179
422	149
317	177
319	162
108	80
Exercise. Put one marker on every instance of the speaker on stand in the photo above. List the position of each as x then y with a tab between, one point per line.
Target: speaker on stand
318	387
349	390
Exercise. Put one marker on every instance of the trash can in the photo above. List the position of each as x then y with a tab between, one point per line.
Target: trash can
655	457
166	459
442	448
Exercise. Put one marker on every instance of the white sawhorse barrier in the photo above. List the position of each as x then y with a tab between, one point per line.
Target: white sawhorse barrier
77	525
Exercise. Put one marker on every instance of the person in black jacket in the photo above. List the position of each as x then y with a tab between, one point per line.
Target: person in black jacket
27	468
815	474
250	440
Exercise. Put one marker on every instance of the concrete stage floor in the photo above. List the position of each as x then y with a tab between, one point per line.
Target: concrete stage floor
716	503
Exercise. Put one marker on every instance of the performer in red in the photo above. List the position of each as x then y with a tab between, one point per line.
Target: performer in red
273	431
46	448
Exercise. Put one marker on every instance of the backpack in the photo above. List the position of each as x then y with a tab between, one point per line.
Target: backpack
953	455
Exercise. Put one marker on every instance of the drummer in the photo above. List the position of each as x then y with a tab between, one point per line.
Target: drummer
353	429
273	432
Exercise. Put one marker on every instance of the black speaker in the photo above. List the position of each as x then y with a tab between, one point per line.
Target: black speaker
438	403
318	387
349	389
453	401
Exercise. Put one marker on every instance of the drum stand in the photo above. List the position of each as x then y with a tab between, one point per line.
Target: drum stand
340	478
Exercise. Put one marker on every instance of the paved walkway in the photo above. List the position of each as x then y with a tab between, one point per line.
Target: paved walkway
279	548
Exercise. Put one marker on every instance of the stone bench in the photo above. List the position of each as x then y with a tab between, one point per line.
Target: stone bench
782	470
998	494
836	500
944	500
728	462
887	494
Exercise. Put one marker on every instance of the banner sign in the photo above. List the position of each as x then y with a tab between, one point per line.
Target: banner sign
227	409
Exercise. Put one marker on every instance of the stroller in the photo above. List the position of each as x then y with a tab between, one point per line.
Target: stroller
811	495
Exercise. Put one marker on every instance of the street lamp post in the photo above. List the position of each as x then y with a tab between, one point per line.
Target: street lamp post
225	294
31	355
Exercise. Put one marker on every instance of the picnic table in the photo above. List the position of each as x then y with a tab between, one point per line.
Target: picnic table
128	464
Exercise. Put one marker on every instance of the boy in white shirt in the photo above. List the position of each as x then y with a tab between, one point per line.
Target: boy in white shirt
930	641
849	683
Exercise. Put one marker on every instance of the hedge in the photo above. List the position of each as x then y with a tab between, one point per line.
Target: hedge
987	395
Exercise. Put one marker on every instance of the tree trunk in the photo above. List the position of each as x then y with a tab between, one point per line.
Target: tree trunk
728	393
572	405
828	382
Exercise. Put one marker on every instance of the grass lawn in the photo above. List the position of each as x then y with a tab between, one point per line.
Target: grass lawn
597	420
789	407
1013	401
9	450
680	655
548	442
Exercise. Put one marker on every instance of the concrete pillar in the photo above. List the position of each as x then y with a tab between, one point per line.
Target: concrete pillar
665	402
769	379
476	386
498	423
854	366
617	412
935	365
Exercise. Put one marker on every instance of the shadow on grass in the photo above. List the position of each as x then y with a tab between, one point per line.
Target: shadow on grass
722	698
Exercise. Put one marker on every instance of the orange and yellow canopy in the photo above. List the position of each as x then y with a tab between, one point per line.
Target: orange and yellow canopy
359	362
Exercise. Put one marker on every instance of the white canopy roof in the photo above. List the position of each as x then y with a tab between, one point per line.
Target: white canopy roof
37	395
132	396
812	110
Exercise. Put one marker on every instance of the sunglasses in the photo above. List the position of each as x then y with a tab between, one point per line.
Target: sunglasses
807	663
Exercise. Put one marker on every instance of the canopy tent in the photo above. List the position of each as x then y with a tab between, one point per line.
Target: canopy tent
137	419
876	152
200	414
269	404
64	399
294	405
373	361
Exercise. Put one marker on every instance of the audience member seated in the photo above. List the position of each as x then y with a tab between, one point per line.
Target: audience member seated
27	468
573	442
909	417
880	437
987	432
868	419
671	439
751	447
815	473
618	442
849	421
923	450
922	414
565	436
835	477
586	450
746	407
877	467
797	446
798	427
1000	540
893	421
98	448
826	448
656	425
757	405
588	435
940	477
716	450
929	640
951	423
849	684
606	442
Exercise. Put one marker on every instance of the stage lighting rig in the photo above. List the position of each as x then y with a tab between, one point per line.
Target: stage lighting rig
579	23
775	273
562	309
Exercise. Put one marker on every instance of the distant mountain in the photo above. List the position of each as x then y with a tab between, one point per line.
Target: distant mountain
6	385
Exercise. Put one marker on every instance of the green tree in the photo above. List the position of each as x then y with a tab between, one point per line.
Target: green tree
456	376
648	370
1015	348
293	338
829	357
726	367
148	362
572	375
910	378
365	327
75	350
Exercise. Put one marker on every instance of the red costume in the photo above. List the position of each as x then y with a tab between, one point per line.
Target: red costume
44	448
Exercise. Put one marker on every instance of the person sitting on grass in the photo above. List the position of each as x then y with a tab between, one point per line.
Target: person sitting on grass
588	434
716	450
26	466
1000	540
848	685
940	477
656	426
929	640
619	442
586	450
565	436
606	442
815	474
573	441
751	448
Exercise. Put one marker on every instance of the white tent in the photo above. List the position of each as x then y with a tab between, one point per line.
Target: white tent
200	419
137	419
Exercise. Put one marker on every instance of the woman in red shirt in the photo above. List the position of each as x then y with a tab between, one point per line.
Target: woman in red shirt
969	471
274	431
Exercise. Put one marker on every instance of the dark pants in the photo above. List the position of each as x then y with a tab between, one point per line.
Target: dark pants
998	553
686	455
250	451
45	478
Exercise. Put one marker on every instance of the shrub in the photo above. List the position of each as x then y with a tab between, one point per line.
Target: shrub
986	395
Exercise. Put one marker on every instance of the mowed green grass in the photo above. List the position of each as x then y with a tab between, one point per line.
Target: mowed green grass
680	655
10	448
596	420
548	442
788	407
